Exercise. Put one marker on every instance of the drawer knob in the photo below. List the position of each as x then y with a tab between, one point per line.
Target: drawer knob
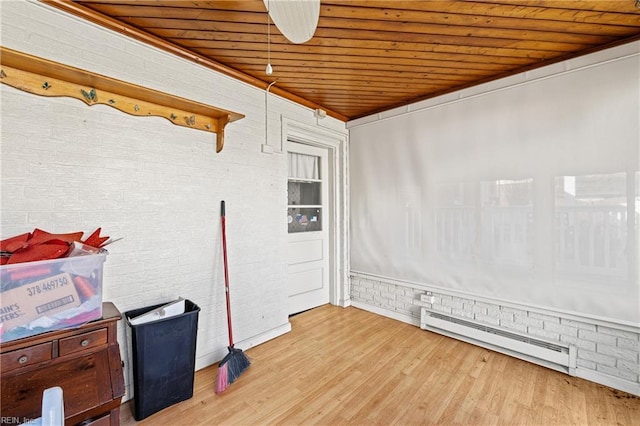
85	342
23	359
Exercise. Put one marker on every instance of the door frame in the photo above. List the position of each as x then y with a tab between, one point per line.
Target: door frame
335	143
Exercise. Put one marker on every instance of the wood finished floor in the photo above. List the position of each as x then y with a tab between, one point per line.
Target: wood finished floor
351	367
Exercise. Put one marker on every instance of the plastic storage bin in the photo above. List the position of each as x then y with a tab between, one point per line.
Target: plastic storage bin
47	295
164	356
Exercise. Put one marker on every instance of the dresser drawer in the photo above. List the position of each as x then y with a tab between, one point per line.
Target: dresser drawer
101	421
82	342
27	356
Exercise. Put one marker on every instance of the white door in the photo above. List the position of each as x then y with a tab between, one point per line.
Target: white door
308	218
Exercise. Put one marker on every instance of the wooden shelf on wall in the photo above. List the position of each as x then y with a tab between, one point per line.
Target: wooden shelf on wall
47	78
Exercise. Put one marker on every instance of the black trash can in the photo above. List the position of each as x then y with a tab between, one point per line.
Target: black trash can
164	355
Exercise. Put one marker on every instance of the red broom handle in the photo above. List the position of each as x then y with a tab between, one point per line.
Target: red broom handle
226	272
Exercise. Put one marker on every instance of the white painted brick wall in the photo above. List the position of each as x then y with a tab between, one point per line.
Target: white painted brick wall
628	366
582	363
548	319
452	303
505	316
629	344
578	343
544	334
618	372
578	324
602	349
395	298
562	330
599	359
521	328
487	319
528	321
618	353
618	333
597	337
68	167
462	313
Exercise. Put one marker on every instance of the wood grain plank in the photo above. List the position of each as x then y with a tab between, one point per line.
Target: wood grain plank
330	27
457	52
450	13
616	12
585	6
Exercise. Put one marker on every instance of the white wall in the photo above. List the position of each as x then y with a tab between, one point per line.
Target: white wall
68	167
430	164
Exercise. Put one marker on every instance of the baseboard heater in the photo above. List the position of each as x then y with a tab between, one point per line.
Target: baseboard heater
548	354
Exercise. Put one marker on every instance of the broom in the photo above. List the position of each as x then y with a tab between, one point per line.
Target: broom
235	362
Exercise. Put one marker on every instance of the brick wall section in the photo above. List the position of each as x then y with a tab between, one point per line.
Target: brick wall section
399	299
602	349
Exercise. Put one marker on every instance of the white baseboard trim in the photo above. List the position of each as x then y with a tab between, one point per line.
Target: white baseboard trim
610	381
345	303
264	337
386	313
214	357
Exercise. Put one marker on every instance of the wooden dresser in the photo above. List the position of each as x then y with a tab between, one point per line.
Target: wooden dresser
85	362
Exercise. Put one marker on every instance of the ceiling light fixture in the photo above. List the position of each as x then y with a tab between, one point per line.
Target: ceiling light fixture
297	20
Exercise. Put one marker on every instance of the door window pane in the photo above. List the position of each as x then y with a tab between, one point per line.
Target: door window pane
304	193
304	219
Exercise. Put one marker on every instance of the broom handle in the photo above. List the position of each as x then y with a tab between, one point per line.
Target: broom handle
226	272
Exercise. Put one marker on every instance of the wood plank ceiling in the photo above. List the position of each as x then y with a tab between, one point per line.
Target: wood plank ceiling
371	56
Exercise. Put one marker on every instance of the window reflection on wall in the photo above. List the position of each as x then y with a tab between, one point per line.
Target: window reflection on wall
456	220
408	236
491	221
591	226
507	221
